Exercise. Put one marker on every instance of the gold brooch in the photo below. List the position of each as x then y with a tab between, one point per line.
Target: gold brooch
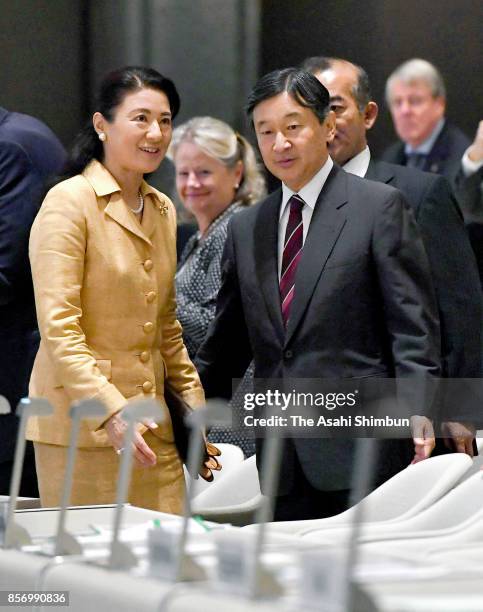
163	209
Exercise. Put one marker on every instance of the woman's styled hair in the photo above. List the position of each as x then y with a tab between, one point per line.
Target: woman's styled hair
114	87
218	140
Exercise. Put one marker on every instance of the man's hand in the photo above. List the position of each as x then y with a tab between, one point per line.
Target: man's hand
116	428
459	437
423	438
475	152
210	462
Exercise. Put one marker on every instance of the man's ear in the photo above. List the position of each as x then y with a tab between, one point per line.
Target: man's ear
370	114
330	123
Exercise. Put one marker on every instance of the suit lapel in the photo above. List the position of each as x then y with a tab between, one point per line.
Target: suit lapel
118	210
380	172
325	228
266	258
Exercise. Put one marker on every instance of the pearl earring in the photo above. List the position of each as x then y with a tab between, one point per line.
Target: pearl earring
102	137
237	185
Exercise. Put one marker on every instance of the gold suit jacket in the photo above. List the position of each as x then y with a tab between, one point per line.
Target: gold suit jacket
104	292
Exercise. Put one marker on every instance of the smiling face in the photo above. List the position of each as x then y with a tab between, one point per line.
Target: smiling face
415	110
292	141
205	185
351	122
138	135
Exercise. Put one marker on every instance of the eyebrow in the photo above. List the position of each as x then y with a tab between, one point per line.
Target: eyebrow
336	99
287	116
148	111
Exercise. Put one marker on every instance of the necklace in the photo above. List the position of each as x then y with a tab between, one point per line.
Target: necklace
139	209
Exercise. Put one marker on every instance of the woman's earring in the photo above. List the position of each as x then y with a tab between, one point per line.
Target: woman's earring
102	136
237	185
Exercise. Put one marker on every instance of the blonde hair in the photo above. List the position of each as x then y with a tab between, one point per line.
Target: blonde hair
218	140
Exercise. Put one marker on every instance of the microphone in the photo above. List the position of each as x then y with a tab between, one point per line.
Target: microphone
121	556
66	543
15	535
260	580
216	412
4	409
239	554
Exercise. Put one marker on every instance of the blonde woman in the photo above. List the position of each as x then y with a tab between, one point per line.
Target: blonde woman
216	176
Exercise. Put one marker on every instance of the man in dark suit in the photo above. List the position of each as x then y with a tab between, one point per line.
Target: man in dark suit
416	97
319	281
469	191
29	154
453	265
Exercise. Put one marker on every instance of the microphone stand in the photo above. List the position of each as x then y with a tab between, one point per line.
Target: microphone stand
364	460
216	412
121	556
15	535
260	580
66	543
4	409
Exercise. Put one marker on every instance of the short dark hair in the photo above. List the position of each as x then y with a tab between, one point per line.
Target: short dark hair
361	90
112	91
302	86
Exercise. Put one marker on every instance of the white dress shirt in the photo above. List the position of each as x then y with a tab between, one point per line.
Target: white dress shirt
309	194
359	164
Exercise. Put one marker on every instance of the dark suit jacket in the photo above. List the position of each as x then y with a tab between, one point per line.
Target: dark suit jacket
469	192
445	156
453	265
29	154
363	267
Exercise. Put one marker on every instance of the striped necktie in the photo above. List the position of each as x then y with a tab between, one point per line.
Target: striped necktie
292	252
416	160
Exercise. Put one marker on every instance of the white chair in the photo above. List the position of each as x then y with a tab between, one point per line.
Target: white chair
232	499
231	455
404	495
419	548
458	508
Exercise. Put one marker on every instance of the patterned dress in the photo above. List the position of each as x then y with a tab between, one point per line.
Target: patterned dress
198	281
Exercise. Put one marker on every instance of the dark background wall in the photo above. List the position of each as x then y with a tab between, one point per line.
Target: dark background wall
53	52
41	61
379	35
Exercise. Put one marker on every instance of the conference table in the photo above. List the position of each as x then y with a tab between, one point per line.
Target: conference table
93	585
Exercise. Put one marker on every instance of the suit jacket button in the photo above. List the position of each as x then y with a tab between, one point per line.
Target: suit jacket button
151	296
148	265
148	327
147	386
144	356
288	354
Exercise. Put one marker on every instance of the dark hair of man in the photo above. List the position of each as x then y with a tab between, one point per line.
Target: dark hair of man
302	86
112	91
361	90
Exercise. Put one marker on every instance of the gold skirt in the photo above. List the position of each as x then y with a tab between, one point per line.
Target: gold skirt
161	487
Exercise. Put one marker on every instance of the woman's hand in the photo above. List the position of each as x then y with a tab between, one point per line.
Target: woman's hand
116	428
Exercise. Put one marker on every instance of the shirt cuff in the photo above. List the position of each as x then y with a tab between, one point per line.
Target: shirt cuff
469	166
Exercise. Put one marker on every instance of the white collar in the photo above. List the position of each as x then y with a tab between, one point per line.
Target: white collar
359	164
310	191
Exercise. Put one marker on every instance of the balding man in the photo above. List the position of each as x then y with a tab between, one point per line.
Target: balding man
416	96
453	265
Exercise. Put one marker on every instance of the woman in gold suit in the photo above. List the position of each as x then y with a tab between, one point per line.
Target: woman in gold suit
103	258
